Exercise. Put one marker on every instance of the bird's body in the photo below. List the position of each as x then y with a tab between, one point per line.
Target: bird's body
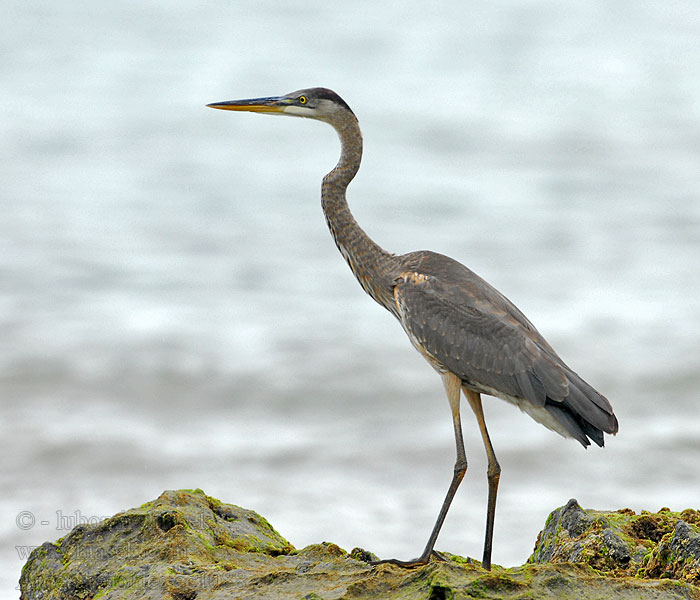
476	339
493	347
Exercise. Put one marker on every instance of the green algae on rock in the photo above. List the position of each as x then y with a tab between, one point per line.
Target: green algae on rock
652	545
678	555
180	533
186	545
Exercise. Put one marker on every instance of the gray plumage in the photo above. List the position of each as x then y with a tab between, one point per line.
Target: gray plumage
476	339
469	328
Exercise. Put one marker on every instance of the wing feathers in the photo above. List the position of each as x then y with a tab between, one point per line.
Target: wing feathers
470	329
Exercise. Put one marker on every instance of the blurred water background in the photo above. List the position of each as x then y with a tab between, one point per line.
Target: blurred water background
174	313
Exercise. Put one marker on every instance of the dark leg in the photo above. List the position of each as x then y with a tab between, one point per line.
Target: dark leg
452	387
494	474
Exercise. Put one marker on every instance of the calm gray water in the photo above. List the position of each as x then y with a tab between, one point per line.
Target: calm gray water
174	313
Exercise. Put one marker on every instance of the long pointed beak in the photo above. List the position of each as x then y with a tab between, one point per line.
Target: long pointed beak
262	105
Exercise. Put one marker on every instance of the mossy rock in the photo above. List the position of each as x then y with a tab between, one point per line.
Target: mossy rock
677	555
186	545
180	534
664	544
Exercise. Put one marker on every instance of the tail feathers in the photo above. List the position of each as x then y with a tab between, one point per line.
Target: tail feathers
580	386
583	412
571	425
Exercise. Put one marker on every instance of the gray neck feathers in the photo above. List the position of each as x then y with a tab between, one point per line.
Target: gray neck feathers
371	264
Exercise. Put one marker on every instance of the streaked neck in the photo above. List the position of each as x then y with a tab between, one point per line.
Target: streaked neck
367	260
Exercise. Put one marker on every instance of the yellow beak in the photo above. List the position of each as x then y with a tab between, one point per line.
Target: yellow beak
261	105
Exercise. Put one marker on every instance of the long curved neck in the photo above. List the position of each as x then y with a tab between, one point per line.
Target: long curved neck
371	264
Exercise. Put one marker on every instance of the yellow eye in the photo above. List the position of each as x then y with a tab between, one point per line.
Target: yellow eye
302	99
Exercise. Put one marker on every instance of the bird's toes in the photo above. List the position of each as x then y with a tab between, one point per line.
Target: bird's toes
406	564
436	555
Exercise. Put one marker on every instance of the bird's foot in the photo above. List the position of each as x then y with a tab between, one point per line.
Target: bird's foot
409	564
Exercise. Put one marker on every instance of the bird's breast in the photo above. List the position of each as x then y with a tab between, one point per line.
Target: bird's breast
401	312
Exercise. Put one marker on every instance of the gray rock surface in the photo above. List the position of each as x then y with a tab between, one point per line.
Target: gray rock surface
664	544
186	545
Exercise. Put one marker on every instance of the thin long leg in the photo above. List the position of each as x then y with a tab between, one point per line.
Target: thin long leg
494	474
452	385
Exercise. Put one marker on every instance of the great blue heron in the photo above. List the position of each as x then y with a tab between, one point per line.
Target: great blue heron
472	335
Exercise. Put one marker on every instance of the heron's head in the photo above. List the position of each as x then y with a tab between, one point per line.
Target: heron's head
313	103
